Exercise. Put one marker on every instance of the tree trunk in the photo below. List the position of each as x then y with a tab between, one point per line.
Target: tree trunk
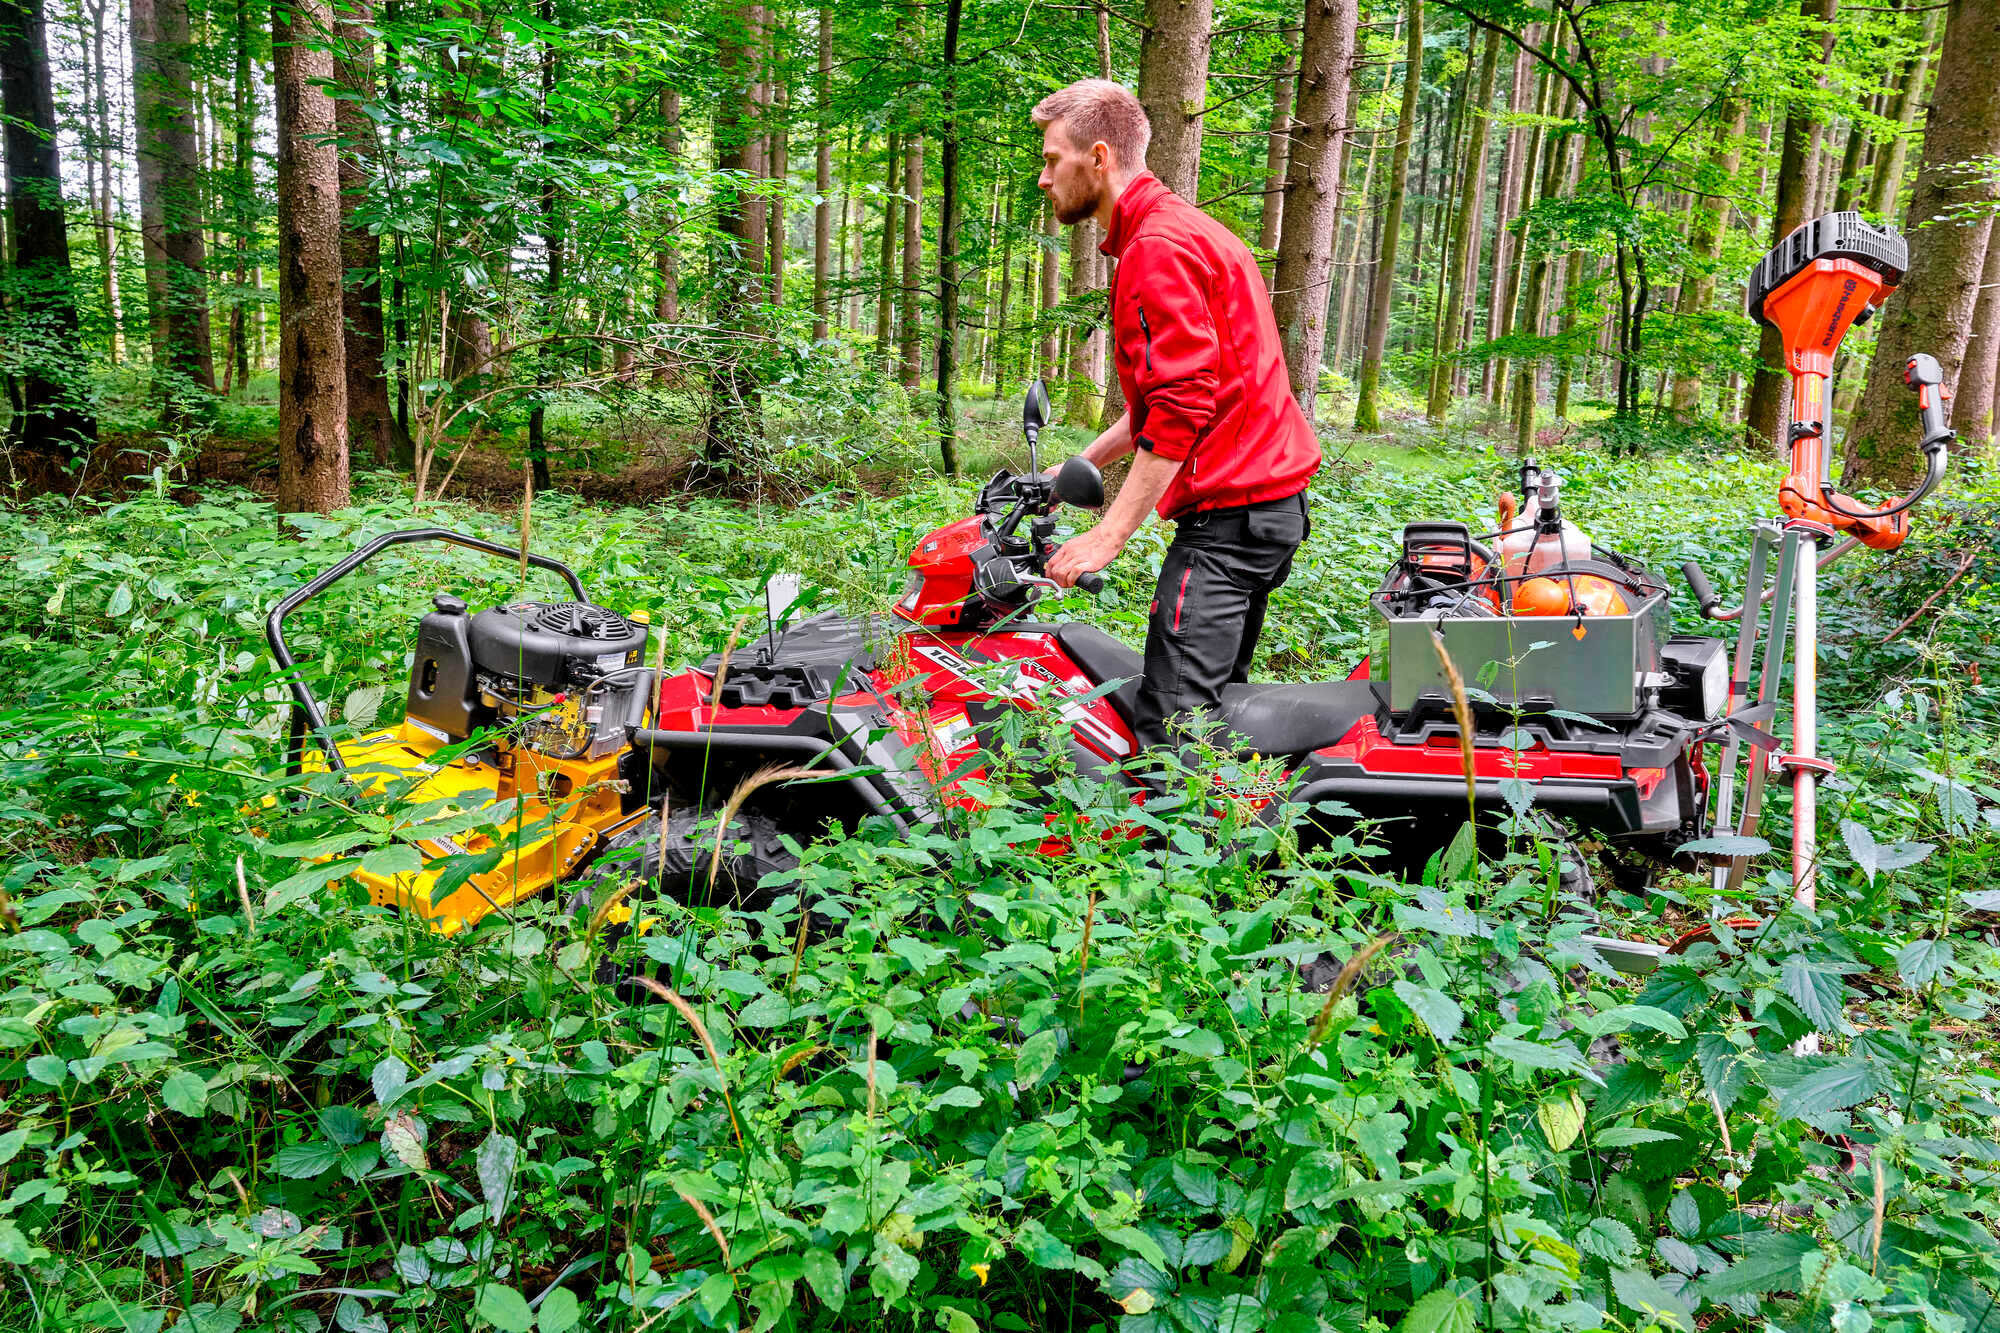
1932	310
468	335
735	429
823	179
1888	179
1051	336
108	246
885	303
1079	393
555	251
170	174
947	335
1006	298
1277	150
1367	416
312	370
1972	405
51	415
1350	278
910	338
1516	171
667	256
1462	269
1173	87
243	187
1795	180
369	424
1304	271
1705	246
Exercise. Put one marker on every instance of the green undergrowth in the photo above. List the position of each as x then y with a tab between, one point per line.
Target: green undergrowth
948	1081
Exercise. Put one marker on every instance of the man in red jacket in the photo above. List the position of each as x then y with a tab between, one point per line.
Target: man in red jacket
1223	451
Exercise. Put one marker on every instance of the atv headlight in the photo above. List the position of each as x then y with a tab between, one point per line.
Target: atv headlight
1714	687
1698	677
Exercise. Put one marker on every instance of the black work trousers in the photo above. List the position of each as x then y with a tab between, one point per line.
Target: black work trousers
1208	609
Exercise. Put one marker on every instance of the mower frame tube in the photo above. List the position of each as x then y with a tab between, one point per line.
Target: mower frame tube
306	711
813	748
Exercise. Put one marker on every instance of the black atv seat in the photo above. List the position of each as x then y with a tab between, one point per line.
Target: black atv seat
1266	719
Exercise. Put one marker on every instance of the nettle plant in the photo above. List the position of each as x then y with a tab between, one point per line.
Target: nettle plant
1059	1061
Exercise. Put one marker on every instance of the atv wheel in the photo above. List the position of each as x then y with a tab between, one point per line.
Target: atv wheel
677	866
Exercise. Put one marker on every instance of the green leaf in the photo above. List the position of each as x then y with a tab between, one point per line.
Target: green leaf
1921	962
715	1294
495	1160
1459	855
504	1308
304	1161
1561	1119
361	706
1640	1290
1439	1012
1814	985
1833	1088
1734	844
185	1092
962	1095
389	1078
1770	1263
47	1069
1608	1239
1038	1053
1630	1136
397	858
121	601
1534	1055
822	1273
1625	1017
1440	1311
559	1313
15	1247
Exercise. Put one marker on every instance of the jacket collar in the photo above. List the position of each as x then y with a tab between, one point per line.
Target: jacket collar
1142	193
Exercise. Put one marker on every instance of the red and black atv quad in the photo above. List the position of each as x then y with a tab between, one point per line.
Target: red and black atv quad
1594	714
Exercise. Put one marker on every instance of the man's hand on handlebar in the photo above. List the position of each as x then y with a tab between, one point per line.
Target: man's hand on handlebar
1082	556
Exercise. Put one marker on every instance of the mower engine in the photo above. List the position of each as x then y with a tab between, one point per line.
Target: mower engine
567	673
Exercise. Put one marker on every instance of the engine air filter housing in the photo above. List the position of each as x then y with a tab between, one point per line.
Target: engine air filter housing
1831	236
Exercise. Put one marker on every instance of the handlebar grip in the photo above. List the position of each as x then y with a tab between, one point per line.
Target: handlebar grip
1703	590
1091	583
1926	378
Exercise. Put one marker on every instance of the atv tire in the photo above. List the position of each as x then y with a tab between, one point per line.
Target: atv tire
677	866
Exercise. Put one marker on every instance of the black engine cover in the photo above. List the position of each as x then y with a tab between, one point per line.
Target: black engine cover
535	642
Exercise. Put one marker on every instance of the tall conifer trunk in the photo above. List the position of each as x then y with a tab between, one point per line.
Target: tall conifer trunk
1367	415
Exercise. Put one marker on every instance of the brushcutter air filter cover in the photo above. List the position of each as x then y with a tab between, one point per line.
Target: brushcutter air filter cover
1594	595
1835	236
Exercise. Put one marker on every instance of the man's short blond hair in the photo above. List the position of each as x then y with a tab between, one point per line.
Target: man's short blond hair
1100	111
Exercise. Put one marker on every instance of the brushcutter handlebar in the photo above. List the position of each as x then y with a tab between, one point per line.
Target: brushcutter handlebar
1703	590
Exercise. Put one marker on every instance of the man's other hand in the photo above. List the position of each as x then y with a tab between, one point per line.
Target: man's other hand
1084	555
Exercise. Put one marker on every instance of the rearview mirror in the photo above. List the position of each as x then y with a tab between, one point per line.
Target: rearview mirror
1079	483
1035	408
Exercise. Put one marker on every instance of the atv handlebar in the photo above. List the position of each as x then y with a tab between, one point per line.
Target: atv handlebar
306	711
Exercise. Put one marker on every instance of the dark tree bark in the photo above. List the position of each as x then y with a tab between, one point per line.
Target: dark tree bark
909	335
369	422
51	417
778	170
242	186
947	334
1705	244
667	256
555	252
312	366
468	335
1932	310
823	178
1796	164
1367	416
1303	276
885	273
1462	269
1051	350
1972	406
1277	152
1517	167
1173	87
1887	182
735	429
170	202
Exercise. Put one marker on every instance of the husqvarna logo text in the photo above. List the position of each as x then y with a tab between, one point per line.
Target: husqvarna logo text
1833	324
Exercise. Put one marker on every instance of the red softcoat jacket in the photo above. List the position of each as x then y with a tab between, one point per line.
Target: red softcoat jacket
1198	356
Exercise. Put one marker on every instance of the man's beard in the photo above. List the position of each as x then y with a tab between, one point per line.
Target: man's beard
1069	214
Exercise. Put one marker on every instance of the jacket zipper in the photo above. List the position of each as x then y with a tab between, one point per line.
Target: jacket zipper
1147	329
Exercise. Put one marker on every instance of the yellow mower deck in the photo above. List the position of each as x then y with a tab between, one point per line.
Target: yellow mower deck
570	804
